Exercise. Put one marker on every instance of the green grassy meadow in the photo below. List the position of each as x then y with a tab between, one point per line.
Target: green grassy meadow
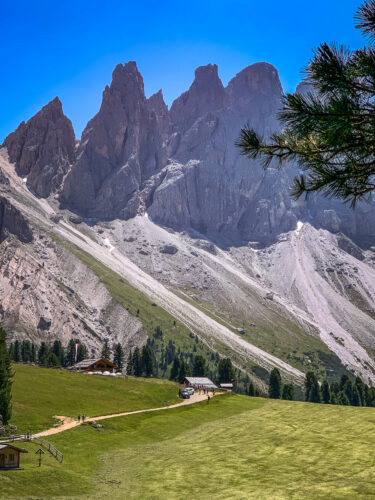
41	393
236	447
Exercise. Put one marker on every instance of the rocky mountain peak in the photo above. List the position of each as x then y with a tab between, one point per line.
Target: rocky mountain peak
157	105
256	88
206	94
43	148
121	148
259	77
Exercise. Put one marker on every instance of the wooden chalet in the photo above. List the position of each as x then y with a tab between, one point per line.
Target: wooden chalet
10	457
95	365
199	383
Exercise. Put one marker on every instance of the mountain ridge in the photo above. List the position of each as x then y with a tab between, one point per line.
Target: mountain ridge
164	199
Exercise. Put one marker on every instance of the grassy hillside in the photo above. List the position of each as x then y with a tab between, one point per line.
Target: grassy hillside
236	447
41	393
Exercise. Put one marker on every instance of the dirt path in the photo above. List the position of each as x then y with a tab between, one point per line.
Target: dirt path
69	423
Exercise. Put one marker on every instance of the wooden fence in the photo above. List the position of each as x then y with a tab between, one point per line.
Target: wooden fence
28	437
49	447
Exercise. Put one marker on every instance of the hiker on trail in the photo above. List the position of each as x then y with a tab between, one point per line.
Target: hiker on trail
83	419
79	417
208	399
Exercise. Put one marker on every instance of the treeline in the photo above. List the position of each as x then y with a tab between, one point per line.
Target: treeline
346	392
141	362
50	355
278	390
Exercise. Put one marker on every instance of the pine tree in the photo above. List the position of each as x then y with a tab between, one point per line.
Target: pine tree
58	351
81	352
17	356
361	390
199	366
147	361
5	380
33	353
326	393
106	351
118	357
333	399
315	395
184	371
288	392
129	364
52	360
274	390
11	351
175	369
309	382
26	351
43	354
251	389
225	370
356	398
342	399
348	389
330	131
137	363
71	353
343	380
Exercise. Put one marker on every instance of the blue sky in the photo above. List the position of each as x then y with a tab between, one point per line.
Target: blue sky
69	48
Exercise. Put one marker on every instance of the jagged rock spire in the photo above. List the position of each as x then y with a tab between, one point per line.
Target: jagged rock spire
43	148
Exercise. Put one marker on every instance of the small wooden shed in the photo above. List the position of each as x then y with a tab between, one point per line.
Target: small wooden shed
95	365
10	456
227	386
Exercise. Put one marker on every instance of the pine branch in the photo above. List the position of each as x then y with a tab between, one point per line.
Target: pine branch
365	19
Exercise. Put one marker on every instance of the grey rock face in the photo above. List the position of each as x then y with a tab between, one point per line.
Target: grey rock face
208	186
13	222
44	323
43	148
120	149
181	165
349	247
205	94
169	249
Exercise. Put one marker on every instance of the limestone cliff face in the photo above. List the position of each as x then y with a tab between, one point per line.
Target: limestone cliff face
208	185
120	149
13	222
180	165
43	148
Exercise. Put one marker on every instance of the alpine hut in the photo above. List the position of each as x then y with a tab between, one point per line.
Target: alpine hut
199	383
10	457
95	365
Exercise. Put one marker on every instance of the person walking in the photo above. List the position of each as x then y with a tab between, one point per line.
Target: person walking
208	399
79	417
83	419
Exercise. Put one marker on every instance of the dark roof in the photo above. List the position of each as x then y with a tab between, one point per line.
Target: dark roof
6	445
85	363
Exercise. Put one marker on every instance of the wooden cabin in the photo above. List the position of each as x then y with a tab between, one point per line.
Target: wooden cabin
199	383
95	365
10	456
